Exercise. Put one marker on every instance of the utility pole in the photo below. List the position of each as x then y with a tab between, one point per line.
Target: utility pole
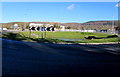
113	26
39	32
25	21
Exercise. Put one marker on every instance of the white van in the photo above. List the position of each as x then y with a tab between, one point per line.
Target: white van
4	29
0	30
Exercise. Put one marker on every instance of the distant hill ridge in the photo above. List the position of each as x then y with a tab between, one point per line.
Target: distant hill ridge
60	23
73	25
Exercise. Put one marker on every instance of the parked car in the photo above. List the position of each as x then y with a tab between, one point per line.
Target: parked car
0	30
3	29
23	29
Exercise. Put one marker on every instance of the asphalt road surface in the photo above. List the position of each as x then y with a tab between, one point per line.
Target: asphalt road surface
23	59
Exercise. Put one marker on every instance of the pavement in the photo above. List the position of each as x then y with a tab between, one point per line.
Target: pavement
26	59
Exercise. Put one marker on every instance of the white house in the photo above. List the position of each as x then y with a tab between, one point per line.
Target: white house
62	28
88	30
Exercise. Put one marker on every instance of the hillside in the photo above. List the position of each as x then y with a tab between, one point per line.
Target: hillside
86	25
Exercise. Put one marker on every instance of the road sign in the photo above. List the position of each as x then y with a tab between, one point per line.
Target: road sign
52	29
43	29
30	28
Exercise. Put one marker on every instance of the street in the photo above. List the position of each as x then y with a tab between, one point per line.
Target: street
25	59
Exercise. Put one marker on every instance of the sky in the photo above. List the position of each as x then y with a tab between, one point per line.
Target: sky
63	12
60	0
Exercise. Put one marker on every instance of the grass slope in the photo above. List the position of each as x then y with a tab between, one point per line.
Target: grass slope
51	37
65	35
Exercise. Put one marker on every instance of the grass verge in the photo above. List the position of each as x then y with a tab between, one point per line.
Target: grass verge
24	36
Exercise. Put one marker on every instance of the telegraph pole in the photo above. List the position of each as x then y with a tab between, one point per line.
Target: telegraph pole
113	26
25	22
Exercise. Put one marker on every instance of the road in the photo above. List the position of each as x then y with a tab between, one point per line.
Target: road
24	59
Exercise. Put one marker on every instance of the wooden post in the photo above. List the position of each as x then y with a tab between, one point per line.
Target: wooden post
30	33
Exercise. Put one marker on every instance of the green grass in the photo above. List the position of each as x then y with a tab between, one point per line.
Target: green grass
108	40
66	35
51	37
23	37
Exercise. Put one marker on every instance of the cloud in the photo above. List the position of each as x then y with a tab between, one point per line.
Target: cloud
70	7
117	5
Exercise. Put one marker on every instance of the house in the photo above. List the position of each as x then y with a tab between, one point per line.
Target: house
62	28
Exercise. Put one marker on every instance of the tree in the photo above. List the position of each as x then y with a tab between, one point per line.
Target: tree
68	27
57	26
82	28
